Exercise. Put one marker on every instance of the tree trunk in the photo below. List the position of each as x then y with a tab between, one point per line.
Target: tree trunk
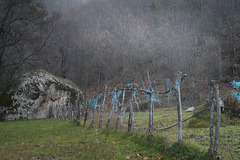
217	120
211	118
179	107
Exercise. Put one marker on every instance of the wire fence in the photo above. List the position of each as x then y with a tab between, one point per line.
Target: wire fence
121	109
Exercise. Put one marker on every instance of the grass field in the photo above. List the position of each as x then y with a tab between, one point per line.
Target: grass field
62	139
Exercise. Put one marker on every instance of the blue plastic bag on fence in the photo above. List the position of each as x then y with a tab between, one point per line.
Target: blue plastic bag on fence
235	84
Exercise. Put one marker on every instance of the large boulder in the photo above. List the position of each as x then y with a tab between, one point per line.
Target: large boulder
38	94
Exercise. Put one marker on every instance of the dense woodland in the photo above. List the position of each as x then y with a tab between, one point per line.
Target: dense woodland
115	42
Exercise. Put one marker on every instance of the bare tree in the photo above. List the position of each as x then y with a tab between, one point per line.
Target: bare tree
25	30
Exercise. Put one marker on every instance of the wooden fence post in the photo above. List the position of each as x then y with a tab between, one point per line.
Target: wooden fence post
130	118
119	112
179	106
150	125
211	117
86	114
217	120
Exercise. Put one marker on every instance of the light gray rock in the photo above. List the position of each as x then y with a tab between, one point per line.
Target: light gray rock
35	93
191	109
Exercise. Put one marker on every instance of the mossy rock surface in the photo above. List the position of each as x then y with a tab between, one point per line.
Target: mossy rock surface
31	94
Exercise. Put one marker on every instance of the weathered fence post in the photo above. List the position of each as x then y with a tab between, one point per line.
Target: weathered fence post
86	114
179	106
150	128
217	120
110	116
211	117
119	112
150	125
130	117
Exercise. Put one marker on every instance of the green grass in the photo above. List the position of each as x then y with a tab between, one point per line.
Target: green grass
48	139
61	139
54	139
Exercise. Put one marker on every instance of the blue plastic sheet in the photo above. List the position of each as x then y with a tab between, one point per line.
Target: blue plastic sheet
236	85
237	97
94	102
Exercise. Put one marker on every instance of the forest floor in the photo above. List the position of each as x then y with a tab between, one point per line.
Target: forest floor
62	139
